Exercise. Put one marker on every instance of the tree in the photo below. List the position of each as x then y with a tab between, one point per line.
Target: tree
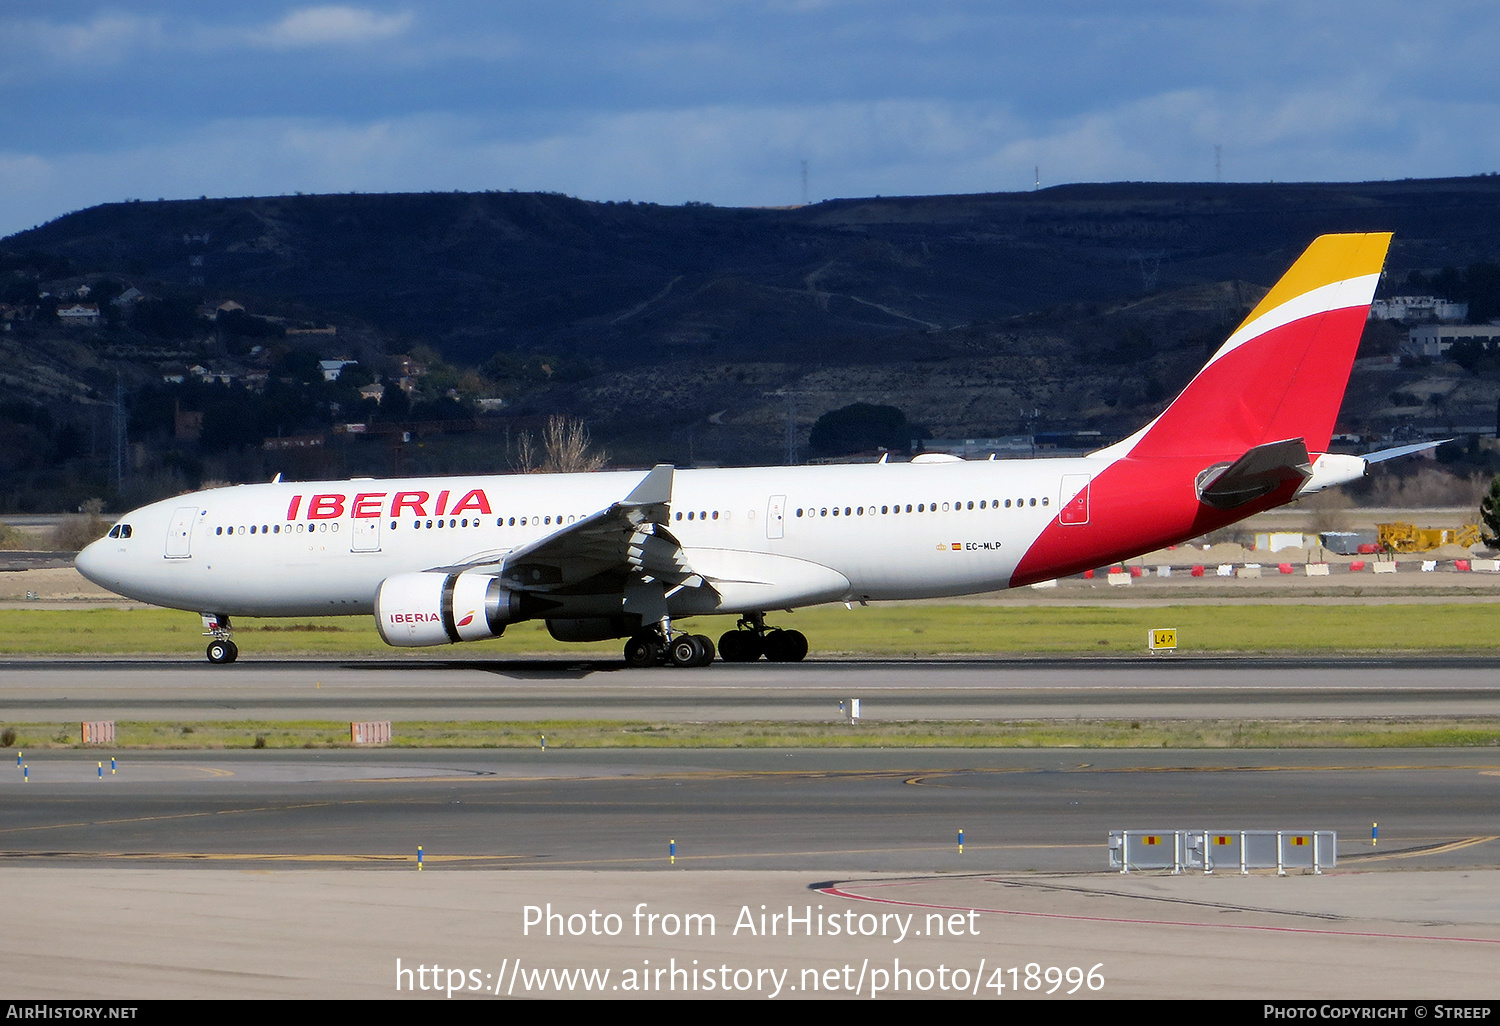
861	427
565	449
1489	512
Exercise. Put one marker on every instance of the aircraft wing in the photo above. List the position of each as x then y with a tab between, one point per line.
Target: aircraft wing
628	540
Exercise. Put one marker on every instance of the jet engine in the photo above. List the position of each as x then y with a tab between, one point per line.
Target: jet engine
434	608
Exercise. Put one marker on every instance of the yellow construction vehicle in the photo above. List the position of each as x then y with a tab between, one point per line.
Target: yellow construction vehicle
1402	537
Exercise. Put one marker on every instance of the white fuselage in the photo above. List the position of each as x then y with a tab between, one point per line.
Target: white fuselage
766	538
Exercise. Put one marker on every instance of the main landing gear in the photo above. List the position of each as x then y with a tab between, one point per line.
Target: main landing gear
659	646
222	648
752	639
648	648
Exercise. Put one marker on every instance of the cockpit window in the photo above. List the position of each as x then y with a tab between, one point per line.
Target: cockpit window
120	531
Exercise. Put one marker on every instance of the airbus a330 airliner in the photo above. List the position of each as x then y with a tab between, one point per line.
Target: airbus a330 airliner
628	555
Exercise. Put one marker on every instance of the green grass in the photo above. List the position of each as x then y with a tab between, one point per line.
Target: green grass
560	734
884	630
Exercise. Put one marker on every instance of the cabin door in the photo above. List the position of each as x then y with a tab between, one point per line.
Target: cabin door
1074	499
366	537
180	534
776	517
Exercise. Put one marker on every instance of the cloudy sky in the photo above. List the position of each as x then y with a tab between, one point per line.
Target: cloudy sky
722	100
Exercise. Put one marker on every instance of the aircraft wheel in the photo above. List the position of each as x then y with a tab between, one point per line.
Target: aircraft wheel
641	652
220	652
685	651
786	646
707	645
740	646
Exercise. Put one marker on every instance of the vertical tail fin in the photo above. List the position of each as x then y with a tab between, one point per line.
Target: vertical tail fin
1282	373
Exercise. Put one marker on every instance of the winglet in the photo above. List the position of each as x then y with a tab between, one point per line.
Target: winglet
655	488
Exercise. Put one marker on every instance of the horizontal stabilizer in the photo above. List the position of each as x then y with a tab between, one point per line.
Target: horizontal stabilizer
1259	472
1403	450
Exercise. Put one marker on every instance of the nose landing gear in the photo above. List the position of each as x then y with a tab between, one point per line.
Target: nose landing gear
222	648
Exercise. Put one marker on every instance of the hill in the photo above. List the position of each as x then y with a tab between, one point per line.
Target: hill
1077	307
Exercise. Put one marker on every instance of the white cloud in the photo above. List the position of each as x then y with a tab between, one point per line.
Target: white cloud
332	26
102	40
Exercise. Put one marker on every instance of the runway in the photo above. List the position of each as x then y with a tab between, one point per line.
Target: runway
397	689
186	874
864	809
817	811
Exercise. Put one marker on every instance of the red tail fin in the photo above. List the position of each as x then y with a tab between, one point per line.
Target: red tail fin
1282	373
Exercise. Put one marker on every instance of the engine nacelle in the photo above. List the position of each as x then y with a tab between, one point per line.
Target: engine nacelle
1332	469
431	608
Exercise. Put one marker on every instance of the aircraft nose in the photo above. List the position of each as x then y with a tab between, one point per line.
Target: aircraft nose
91	561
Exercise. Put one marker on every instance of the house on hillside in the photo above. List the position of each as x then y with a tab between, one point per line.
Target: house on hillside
79	315
1417	308
333	368
1434	340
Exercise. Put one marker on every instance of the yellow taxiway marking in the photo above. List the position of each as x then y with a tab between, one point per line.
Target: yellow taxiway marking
1442	849
162	819
228	856
541	860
